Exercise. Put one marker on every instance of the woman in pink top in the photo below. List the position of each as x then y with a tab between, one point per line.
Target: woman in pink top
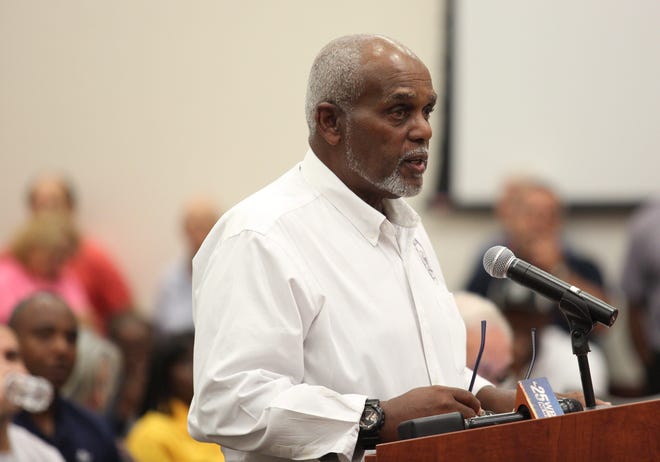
36	261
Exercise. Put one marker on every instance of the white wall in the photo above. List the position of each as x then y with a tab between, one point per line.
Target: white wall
145	103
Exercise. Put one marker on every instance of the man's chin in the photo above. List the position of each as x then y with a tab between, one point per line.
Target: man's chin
411	189
414	192
399	186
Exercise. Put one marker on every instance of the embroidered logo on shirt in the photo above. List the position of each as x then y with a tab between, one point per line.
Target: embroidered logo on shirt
422	256
83	455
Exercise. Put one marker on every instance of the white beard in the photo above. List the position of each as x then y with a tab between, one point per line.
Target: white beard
393	183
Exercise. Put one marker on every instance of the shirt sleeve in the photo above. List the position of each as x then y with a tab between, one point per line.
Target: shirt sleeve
479	381
253	308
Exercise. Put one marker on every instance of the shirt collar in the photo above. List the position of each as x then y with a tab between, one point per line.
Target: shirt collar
365	218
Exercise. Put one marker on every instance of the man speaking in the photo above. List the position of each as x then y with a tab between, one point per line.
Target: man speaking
321	313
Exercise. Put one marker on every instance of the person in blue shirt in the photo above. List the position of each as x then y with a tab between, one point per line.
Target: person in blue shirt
531	214
48	331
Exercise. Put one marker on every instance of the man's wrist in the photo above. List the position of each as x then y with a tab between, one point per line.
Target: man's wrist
371	423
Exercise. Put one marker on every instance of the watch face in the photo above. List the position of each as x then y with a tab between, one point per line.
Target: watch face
370	418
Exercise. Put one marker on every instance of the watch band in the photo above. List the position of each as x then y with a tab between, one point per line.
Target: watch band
372	420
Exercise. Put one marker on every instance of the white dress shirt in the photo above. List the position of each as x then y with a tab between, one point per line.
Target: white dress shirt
306	302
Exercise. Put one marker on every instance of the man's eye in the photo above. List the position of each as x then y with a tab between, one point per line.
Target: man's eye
427	112
399	113
12	356
43	333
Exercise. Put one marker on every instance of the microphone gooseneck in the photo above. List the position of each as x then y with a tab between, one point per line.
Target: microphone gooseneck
533	360
481	351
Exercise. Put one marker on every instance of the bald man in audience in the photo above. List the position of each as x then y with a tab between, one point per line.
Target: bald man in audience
16	443
48	332
173	312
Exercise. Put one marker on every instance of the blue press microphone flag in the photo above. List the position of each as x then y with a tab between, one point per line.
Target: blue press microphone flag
538	397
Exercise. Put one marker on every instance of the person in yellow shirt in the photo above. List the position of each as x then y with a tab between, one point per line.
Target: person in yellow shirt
161	433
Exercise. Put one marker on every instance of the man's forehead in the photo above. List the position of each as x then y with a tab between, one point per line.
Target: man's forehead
51	322
49	185
398	79
7	338
403	94
45	310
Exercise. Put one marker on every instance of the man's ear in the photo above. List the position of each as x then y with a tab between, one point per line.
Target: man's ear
329	124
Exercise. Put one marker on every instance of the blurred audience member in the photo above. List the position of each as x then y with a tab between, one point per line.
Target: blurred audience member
106	287
36	260
95	377
497	357
16	443
507	200
133	335
161	434
173	311
641	284
532	217
533	231
48	331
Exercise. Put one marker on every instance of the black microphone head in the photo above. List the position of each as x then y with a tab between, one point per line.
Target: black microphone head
497	260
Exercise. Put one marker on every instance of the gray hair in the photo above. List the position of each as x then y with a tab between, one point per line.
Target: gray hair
474	308
335	76
94	380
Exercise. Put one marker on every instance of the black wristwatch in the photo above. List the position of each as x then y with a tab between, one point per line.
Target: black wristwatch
372	420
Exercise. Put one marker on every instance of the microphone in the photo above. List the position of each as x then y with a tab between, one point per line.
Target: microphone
568	405
500	262
454	421
534	400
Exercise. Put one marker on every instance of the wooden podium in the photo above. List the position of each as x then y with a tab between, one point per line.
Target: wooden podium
629	432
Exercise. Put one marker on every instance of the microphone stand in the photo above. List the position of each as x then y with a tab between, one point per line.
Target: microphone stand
580	323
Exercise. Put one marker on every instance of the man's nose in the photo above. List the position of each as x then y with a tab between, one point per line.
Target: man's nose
61	344
421	131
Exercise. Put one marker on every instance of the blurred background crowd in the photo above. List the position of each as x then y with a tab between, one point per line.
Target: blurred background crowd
122	380
123	375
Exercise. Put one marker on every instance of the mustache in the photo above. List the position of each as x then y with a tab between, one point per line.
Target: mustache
422	150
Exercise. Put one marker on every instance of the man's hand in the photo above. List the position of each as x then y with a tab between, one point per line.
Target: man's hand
497	400
426	401
580	397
